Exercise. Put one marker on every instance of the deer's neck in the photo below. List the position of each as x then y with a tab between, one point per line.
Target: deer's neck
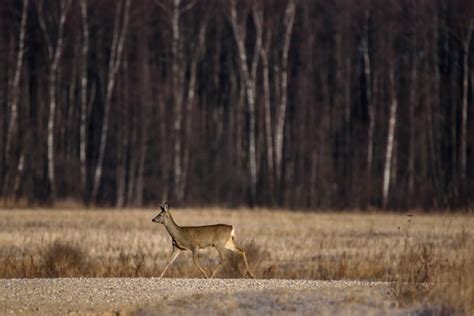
173	229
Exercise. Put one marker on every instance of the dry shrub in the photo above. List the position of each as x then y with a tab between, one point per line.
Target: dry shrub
58	259
415	271
343	266
349	266
61	259
442	284
20	266
453	283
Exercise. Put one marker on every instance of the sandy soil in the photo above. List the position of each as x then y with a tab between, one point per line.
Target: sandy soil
151	296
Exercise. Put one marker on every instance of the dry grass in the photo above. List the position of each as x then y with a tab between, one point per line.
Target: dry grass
437	273
63	260
428	258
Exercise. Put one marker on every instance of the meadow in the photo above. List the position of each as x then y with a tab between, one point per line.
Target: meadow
427	258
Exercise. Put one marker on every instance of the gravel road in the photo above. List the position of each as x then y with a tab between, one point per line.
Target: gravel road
151	296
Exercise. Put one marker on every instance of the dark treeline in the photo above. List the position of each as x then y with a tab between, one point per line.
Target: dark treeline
292	103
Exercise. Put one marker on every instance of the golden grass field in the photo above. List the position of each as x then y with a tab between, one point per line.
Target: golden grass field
428	258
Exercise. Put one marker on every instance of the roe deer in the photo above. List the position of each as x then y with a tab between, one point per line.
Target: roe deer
193	238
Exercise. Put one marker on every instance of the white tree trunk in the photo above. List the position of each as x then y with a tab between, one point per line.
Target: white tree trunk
13	121
281	113
146	96
390	139
248	80
54	54
123	146
190	101
368	96
264	52
70	143
176	80
19	174
118	42
183	98
268	114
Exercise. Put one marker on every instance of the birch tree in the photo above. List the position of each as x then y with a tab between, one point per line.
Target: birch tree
281	112
274	126
390	135
122	14
183	74
125	123
190	99
54	52
146	99
248	77
228	127
15	89
177	87
264	55
84	94
368	98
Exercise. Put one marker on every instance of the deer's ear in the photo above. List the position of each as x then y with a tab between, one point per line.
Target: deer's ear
165	207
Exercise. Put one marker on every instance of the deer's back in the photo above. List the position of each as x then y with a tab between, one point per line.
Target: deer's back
206	236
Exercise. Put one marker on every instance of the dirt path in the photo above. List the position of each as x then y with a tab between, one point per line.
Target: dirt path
150	296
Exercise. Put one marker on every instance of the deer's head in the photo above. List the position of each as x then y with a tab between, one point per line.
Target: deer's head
164	216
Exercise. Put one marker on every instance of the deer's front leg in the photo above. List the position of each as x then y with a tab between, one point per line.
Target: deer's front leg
197	265
173	257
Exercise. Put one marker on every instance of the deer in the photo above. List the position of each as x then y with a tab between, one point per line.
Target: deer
193	238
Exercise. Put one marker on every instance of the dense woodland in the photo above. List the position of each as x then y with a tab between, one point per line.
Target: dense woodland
285	103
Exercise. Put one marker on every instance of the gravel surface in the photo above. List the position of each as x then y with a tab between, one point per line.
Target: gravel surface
151	296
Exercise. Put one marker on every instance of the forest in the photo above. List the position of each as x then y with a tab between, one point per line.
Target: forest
285	103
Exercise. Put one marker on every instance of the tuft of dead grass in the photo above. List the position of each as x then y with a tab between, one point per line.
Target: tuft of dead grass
61	259
414	275
24	266
453	288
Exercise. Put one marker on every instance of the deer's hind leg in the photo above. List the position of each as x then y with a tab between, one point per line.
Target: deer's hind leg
220	251
196	263
230	244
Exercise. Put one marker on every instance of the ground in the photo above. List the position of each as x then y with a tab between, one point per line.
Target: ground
152	296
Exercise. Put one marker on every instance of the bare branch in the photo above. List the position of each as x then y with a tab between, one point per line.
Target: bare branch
49	45
257	17
163	7
188	7
13	121
120	34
